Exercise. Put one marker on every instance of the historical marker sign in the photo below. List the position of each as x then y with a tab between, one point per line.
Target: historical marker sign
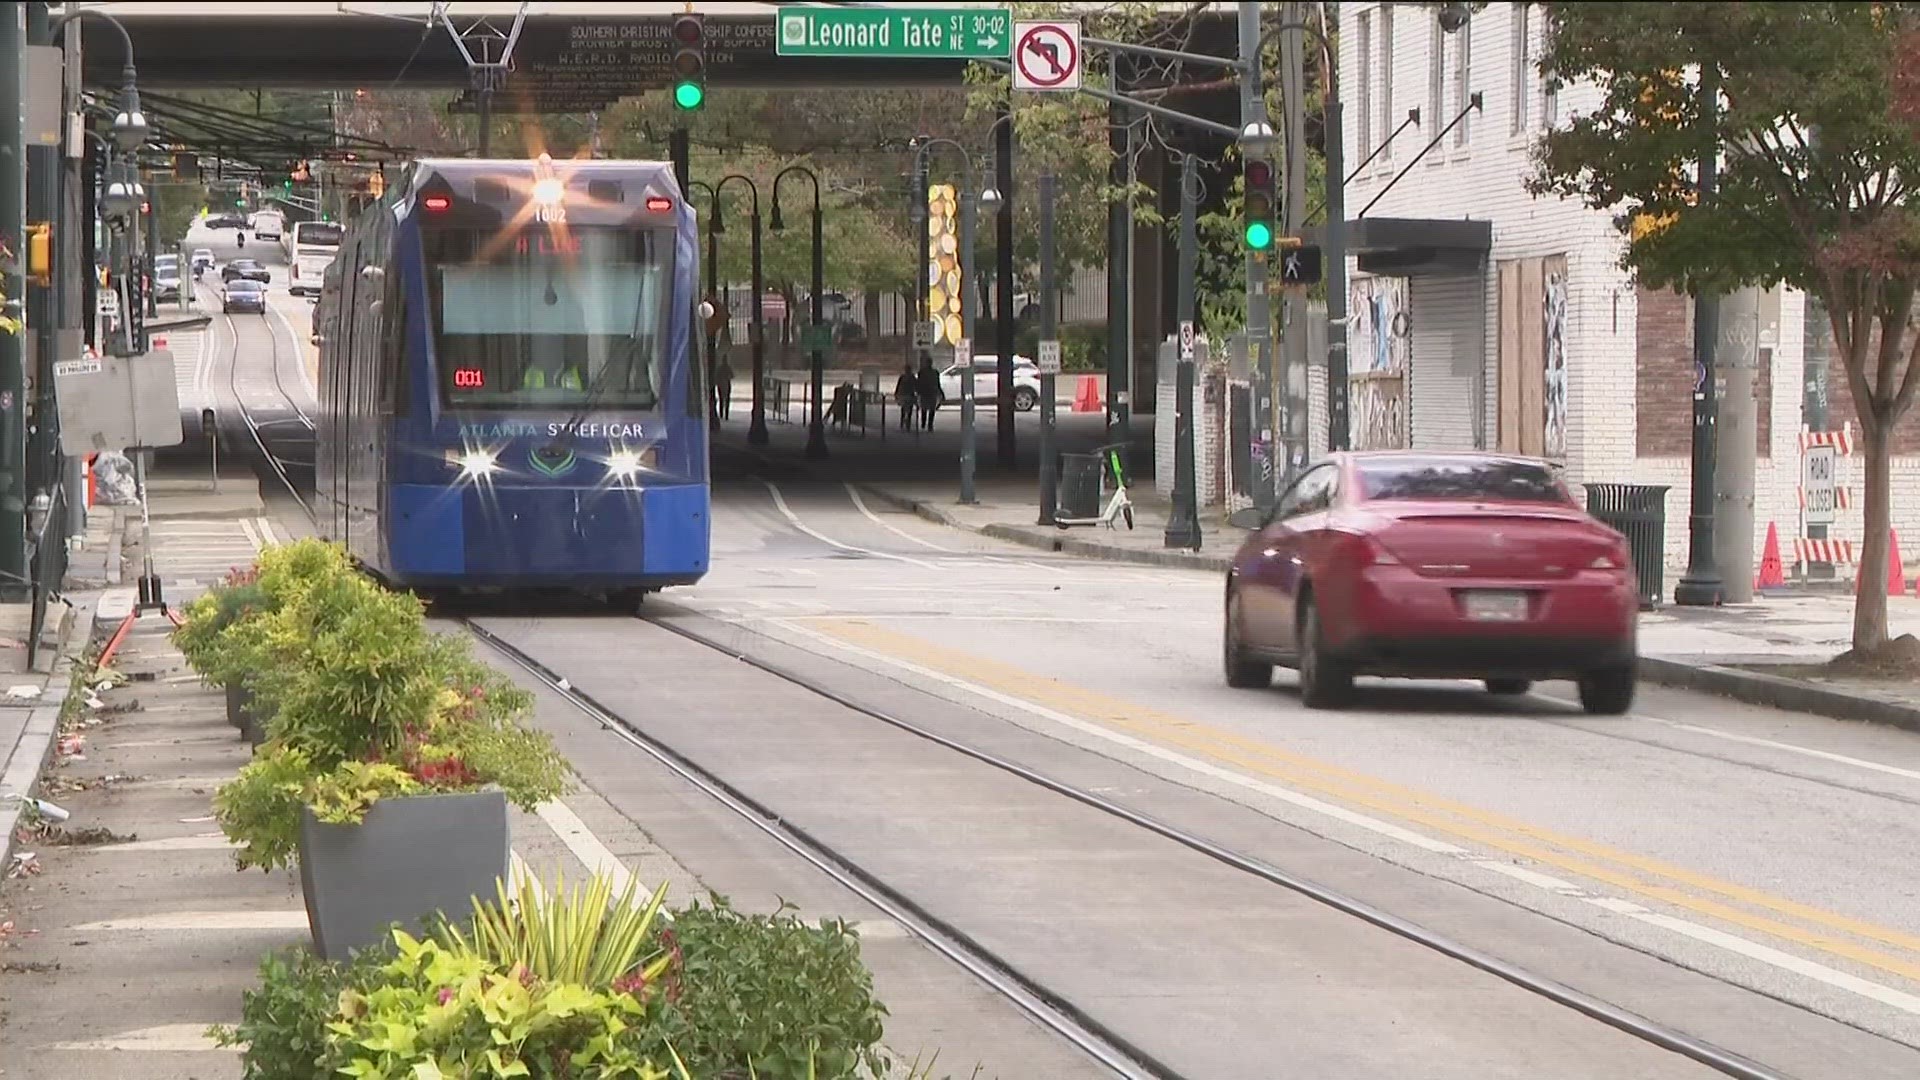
950	33
1046	55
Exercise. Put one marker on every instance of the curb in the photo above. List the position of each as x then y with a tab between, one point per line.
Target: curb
1793	695
28	757
1064	543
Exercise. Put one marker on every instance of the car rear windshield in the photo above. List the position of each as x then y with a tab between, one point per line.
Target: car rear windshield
1458	478
243	285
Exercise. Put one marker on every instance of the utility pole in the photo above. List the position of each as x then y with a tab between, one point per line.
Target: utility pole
13	212
1737	354
969	325
1294	304
73	244
1701	585
1268	468
1815	365
1003	273
1183	525
1049	342
43	201
1119	267
1335	256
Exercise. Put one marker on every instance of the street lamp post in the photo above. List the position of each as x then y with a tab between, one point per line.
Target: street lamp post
970	206
713	294
757	423
816	425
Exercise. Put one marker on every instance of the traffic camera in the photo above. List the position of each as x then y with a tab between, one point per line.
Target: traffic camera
689	62
1262	224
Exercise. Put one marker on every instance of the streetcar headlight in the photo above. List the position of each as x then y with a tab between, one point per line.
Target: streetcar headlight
547	190
475	463
625	464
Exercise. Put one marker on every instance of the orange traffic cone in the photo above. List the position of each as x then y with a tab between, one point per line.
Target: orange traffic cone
1896	570
1772	574
1087	398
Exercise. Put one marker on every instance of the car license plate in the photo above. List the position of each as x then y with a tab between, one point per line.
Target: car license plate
1493	606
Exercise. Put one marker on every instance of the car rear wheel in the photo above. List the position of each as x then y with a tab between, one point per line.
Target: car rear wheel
1024	399
1607	692
1325	682
1508	686
1243	671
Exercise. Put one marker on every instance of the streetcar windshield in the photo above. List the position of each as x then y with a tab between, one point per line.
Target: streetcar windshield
544	319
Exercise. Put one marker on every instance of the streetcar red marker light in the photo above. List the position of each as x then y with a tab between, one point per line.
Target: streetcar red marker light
438	202
659	204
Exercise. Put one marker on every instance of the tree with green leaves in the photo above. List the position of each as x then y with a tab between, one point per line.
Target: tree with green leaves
1814	125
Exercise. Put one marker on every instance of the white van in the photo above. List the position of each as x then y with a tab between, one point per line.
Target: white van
268	224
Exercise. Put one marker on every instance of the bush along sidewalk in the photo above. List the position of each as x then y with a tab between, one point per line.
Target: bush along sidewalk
573	984
385	756
389	753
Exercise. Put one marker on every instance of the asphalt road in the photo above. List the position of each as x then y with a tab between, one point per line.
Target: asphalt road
1742	874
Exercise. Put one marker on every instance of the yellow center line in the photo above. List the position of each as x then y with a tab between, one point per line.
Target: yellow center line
1394	800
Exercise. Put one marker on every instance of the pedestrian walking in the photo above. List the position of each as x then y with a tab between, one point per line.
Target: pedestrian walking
906	391
723	387
931	395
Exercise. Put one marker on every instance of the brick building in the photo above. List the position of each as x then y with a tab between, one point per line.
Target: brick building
1487	317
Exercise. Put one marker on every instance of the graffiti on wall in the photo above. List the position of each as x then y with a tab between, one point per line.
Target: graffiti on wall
1554	308
1380	348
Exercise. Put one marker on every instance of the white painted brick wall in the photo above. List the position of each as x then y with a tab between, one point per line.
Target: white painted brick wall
1485	181
1209	466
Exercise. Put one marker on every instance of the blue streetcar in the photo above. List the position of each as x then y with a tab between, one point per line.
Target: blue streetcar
508	392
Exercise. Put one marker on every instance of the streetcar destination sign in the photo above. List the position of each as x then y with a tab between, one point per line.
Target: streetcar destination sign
940	32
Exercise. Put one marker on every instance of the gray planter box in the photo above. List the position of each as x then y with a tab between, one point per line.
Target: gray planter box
410	858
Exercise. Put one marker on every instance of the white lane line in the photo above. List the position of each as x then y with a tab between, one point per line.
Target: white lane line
1532	877
1340	813
267	533
1751	740
794	520
163	1039
861	505
295	919
1820	973
253	538
1706	935
585	846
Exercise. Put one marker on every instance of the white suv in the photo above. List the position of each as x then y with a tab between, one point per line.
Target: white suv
986	381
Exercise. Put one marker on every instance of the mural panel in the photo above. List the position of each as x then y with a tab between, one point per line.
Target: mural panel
1554	326
1380	352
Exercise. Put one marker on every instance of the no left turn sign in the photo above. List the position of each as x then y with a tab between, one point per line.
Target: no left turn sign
1046	56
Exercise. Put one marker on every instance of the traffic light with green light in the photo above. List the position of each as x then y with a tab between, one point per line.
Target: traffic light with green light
1262	224
689	62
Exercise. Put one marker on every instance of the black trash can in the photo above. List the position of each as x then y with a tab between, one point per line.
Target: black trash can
1079	491
1639	511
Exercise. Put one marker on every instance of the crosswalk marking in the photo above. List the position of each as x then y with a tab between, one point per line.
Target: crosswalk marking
190	554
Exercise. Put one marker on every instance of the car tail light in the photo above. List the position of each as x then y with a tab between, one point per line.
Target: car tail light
1362	550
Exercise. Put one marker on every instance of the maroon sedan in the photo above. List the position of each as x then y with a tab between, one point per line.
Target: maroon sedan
1432	565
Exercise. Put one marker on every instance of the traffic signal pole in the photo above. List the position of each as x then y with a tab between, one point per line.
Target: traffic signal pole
13	212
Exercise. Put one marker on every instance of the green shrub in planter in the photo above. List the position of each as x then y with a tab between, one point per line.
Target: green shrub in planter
374	705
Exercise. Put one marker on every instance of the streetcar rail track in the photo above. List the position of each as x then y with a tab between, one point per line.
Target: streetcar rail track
1103	1045
1721	1060
256	428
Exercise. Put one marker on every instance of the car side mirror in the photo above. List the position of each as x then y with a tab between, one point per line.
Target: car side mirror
1251	517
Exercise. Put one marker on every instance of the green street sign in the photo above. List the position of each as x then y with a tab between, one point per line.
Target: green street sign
934	32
